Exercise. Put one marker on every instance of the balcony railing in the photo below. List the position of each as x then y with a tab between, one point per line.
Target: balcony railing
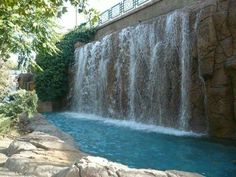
120	9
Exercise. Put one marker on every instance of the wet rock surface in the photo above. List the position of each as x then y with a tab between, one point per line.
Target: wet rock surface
216	54
144	75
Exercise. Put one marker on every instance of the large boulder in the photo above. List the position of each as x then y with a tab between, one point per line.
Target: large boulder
99	167
18	146
34	163
40	124
4	144
40	154
47	142
3	159
4	172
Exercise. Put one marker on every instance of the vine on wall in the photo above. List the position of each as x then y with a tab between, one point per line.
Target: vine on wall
52	81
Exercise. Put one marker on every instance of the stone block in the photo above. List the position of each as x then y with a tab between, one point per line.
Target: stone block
45	106
230	63
227	45
78	44
220	21
3	159
219	55
222	5
207	64
18	146
207	41
219	78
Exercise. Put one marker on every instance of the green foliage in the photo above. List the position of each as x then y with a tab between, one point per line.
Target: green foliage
28	26
5	124
66	45
5	80
92	16
20	102
52	82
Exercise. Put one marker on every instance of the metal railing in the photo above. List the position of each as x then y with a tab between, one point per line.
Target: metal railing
120	9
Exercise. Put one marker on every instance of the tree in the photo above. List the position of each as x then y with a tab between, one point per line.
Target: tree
28	26
5	80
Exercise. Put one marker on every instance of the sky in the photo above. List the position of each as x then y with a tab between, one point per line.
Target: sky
68	20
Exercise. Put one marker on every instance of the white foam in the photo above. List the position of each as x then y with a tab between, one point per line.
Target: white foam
132	124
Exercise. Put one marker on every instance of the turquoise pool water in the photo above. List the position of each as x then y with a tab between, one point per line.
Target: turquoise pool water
143	146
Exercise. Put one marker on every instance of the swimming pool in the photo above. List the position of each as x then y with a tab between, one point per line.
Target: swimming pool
148	146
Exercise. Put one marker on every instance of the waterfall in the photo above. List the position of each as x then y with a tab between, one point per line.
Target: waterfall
140	73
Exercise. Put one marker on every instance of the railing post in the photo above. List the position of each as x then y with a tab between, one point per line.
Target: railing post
109	14
122	7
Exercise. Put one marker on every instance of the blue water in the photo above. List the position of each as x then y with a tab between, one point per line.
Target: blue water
142	146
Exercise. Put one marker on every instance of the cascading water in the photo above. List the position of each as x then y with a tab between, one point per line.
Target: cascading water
140	73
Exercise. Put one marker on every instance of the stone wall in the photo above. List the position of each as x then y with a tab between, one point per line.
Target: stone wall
52	106
150	10
25	81
216	54
213	64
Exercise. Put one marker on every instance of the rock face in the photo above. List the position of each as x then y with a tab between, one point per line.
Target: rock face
177	70
25	81
100	167
216	54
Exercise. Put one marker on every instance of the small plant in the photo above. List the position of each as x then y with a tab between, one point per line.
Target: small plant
19	102
5	124
15	104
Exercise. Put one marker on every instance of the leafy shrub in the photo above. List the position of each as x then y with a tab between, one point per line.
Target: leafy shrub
5	79
52	83
17	103
20	102
5	124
